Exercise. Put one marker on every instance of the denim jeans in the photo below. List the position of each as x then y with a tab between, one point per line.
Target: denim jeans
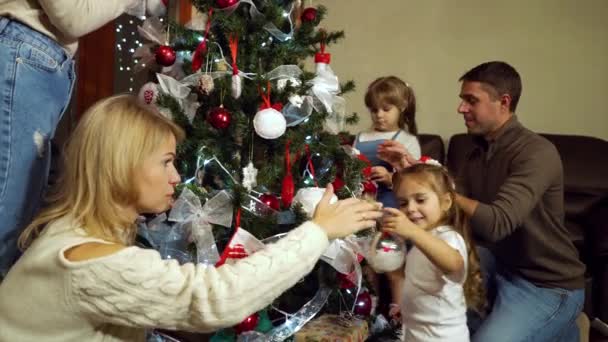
36	80
522	311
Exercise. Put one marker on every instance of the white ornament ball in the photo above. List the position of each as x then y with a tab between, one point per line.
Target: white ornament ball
387	254
310	197
269	123
156	8
148	93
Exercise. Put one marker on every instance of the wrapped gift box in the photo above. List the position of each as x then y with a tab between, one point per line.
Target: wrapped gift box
333	328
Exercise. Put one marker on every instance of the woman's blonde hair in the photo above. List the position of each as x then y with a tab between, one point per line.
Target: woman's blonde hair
440	181
100	162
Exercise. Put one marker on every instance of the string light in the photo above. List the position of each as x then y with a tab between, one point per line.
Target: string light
128	41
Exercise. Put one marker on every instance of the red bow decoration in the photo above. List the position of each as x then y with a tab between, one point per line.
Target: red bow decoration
266	98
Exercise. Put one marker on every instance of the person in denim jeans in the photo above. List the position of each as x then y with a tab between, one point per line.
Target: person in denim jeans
511	186
37	42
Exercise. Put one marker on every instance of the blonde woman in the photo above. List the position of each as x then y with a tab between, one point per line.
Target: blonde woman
80	277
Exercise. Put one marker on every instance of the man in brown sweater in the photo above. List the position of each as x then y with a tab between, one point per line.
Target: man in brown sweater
511	186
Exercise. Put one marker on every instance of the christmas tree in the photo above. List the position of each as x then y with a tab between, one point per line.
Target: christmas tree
264	136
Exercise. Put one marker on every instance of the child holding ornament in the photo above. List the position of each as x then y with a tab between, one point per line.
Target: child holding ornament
81	278
392	105
442	275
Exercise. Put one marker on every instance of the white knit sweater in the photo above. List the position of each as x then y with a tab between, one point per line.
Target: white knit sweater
65	20
46	297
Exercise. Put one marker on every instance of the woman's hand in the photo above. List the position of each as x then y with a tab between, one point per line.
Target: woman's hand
345	217
397	223
396	154
381	175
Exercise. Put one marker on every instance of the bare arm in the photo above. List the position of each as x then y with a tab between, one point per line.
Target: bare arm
442	255
446	258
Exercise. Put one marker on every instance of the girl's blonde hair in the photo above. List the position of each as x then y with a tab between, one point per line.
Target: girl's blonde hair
392	90
100	162
440	181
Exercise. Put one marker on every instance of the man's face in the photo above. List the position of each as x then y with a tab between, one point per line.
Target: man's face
483	114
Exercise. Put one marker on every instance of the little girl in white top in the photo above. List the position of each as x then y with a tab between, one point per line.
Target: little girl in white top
392	105
442	276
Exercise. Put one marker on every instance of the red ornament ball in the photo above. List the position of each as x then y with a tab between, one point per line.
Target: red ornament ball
219	117
247	324
345	282
271	201
309	15
338	184
363	304
165	55
226	3
370	188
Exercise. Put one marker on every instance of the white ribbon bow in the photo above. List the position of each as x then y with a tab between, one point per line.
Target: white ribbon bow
188	210
181	92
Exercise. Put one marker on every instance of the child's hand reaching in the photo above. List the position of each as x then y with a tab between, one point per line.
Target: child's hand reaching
381	175
396	222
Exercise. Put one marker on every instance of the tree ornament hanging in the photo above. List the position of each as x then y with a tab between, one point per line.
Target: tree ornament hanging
363	304
165	55
148	93
269	123
322	58
219	117
250	174
247	324
206	84
225	3
271	201
288	187
309	15
236	86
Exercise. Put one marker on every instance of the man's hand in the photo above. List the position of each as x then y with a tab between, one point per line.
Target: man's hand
396	154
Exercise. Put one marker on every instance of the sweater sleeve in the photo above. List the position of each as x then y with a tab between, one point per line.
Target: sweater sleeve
75	18
532	172
136	288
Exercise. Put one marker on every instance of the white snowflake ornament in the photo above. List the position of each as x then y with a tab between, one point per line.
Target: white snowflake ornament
250	174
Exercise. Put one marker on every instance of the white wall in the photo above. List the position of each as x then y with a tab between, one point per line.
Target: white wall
560	48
